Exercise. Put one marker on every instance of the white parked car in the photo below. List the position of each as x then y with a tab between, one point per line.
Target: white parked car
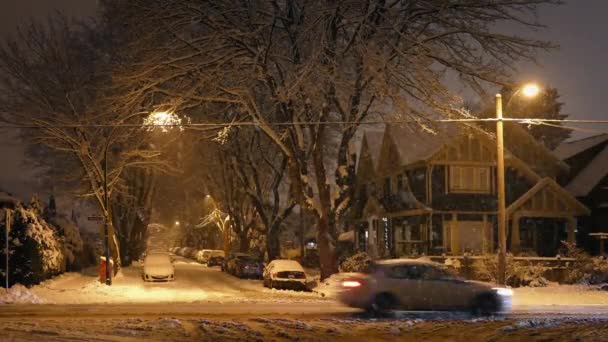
420	285
203	255
285	274
158	267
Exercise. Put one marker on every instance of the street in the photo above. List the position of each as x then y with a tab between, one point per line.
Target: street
206	304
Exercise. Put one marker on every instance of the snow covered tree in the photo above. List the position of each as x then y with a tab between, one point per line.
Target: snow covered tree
36	250
291	66
55	80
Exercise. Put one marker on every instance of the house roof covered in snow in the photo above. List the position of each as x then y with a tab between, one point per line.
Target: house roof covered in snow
415	144
571	148
590	176
590	171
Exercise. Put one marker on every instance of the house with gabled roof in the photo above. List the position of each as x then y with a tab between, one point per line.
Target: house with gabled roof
588	182
434	193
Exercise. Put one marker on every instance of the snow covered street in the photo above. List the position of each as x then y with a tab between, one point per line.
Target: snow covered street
193	283
206	304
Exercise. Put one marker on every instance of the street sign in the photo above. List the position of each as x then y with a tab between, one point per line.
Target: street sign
95	218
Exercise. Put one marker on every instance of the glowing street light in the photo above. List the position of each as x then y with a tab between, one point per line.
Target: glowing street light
163	120
177	223
529	90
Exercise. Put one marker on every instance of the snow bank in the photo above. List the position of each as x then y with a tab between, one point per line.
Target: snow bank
19	294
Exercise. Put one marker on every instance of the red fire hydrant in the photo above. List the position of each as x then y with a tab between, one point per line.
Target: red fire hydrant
102	269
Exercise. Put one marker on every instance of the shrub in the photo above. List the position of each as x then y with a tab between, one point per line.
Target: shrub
359	262
585	269
516	275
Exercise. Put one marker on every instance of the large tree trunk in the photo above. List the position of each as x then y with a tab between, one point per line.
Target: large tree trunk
273	245
244	241
327	250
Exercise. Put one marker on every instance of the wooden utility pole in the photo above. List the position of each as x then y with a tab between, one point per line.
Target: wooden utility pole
500	177
7	229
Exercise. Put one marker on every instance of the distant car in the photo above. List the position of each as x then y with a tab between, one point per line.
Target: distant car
202	256
188	252
182	251
420	285
158	267
285	274
216	258
230	261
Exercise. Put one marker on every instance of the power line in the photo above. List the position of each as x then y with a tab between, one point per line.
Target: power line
530	121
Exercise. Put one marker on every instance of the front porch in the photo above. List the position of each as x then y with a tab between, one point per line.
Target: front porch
537	222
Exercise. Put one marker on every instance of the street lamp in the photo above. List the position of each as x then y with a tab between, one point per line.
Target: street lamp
529	90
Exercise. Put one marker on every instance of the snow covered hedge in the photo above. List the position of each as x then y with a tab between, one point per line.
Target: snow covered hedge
517	274
36	252
359	262
585	269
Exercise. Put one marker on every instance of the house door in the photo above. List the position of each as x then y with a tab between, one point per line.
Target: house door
469	235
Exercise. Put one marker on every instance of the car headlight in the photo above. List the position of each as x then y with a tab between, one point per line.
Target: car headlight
504	291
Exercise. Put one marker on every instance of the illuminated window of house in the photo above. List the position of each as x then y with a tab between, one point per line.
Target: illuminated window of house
469	179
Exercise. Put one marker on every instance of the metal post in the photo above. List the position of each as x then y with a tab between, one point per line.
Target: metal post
500	177
7	230
106	216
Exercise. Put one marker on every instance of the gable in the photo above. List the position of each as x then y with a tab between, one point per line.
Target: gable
365	167
548	197
466	148
389	159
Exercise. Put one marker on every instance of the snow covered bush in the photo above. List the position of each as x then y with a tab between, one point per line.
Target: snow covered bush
359	262
36	251
585	269
73	245
517	274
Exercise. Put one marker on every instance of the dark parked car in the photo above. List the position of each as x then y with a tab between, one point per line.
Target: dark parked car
244	265
216	259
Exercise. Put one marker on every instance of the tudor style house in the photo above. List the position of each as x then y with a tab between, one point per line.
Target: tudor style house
433	194
588	182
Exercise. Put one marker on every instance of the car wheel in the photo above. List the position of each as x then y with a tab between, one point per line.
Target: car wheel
383	302
484	305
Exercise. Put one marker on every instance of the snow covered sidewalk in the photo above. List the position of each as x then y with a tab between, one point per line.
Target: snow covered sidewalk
559	295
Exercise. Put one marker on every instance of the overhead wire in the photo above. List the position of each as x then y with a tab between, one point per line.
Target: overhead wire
530	121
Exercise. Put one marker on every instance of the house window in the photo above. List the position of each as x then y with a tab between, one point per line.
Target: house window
469	179
387	187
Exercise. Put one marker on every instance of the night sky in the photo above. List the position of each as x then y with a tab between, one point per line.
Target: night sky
578	70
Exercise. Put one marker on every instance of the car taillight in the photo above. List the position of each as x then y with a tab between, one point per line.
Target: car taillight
351	284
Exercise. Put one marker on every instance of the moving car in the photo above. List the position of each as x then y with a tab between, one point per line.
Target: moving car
216	258
420	285
157	266
202	256
285	274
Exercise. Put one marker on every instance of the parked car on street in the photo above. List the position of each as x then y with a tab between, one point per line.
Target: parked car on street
203	255
249	267
285	274
244	265
158	266
216	258
420	285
